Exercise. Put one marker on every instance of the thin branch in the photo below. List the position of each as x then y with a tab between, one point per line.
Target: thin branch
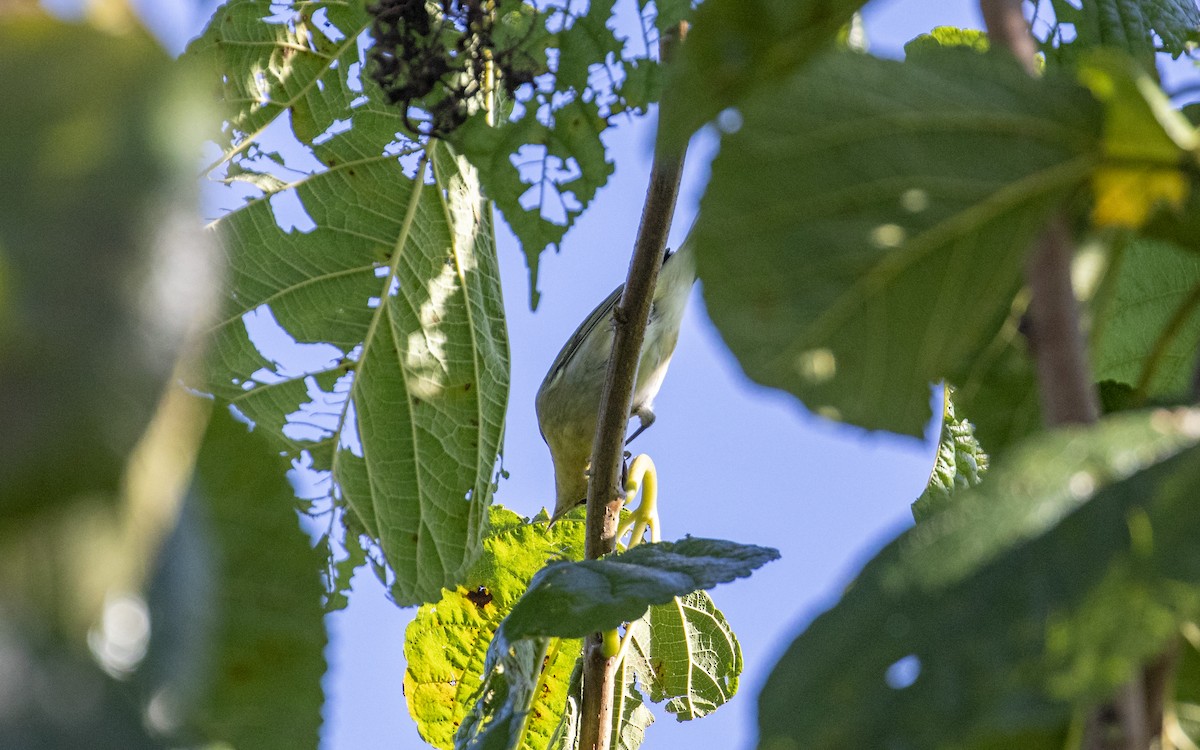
1060	355
604	493
1065	383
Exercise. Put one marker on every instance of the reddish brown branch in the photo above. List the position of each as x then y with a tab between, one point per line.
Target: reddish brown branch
604	490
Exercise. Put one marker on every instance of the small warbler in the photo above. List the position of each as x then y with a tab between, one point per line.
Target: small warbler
569	397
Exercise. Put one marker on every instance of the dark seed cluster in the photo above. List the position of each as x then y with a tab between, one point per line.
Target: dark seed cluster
431	57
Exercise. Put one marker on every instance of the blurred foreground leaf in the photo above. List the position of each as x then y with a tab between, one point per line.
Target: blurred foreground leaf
1040	590
103	271
864	231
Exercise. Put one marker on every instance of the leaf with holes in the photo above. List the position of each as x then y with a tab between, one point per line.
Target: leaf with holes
864	232
446	645
1132	25
685	653
363	327
1033	594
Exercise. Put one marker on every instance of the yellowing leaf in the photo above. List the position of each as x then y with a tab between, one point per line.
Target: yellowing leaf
1127	197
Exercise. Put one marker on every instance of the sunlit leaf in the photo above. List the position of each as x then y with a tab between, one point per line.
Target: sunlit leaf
446	645
960	461
363	327
1145	141
685	653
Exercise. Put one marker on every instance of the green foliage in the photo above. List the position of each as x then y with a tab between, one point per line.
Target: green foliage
555	129
739	47
946	36
263	686
864	232
1131	25
397	280
573	599
1044	587
90	320
1152	324
446	645
960	462
681	651
999	391
565	76
685	653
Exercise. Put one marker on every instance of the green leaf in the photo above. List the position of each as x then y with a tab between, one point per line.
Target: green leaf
97	239
739	47
946	36
563	75
1000	389
960	462
446	644
1183	713
1131	25
264	686
573	599
1041	589
685	653
393	285
682	651
504	701
1152	323
632	717
864	232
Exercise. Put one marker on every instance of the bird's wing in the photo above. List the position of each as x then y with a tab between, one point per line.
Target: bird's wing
602	311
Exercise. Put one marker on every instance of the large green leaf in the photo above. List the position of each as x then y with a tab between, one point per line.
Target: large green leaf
103	273
1151	326
390	270
739	47
446	645
1132	25
573	599
864	232
263	686
1041	589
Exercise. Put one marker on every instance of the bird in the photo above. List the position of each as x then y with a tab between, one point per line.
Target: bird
569	397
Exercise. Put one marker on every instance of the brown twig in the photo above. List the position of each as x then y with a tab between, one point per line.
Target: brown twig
1056	340
1065	386
604	491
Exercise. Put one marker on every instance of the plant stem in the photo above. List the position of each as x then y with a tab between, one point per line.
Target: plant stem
604	489
1065	385
1064	377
